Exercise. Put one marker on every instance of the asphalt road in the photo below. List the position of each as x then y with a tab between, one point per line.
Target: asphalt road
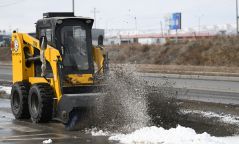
209	89
24	132
214	89
5	73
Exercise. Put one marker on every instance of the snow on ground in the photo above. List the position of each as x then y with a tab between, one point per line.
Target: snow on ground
225	118
179	135
96	132
155	135
47	141
6	89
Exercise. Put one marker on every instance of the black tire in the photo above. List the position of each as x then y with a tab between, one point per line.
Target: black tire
19	102
40	103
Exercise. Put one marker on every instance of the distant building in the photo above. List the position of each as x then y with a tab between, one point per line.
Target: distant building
153	38
115	40
161	36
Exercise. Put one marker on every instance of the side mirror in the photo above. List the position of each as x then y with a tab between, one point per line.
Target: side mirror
43	42
100	40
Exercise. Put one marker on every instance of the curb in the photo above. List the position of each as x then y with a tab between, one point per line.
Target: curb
196	77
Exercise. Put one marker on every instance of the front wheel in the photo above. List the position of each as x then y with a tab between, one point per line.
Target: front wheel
40	103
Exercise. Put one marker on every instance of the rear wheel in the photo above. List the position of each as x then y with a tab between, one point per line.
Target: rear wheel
40	103
19	104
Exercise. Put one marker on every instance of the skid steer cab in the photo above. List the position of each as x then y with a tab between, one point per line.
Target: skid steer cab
57	71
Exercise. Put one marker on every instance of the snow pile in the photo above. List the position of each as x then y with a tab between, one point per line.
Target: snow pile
230	140
226	118
155	135
6	89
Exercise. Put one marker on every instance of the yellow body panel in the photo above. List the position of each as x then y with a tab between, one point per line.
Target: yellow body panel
84	79
98	58
22	73
35	80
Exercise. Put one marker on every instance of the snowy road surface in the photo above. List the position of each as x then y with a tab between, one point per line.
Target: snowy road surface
24	132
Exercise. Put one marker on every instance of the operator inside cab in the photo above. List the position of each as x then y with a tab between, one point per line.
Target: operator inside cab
72	37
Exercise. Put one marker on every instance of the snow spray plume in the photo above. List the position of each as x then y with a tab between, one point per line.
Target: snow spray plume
130	102
124	107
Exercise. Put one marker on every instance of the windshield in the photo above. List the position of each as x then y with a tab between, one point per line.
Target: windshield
75	52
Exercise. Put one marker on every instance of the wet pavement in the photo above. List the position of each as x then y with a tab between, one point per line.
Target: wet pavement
129	101
24	132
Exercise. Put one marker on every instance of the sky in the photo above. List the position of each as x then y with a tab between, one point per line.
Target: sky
119	14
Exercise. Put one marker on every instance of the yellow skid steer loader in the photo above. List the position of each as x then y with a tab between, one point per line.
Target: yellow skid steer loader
58	70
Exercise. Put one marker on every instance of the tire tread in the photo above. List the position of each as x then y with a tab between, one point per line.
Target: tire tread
46	103
24	90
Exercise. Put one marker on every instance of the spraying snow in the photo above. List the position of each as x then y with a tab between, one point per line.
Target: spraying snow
125	106
130	103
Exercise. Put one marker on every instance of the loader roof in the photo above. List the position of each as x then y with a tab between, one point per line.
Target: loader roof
52	18
62	15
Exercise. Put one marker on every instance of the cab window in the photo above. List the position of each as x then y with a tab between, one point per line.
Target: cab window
48	33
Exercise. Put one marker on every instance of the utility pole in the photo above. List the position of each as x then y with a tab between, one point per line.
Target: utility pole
95	12
237	17
136	24
73	6
161	26
199	23
95	17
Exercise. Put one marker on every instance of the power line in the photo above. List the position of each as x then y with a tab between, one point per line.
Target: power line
6	3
